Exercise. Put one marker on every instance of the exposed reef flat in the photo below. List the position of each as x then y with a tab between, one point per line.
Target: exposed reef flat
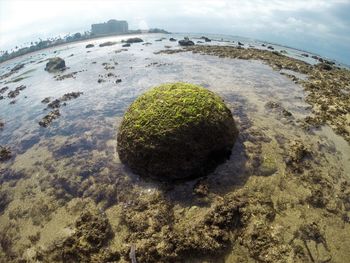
327	85
283	196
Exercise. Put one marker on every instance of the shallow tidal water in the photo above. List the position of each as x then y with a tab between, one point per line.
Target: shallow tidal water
72	165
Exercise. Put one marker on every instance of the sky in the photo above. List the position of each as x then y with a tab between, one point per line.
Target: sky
319	26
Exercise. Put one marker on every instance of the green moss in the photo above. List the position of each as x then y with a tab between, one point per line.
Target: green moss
171	106
167	125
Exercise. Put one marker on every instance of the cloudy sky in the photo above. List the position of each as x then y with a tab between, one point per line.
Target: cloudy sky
320	26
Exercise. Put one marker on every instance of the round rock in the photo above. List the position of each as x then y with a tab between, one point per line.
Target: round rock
176	131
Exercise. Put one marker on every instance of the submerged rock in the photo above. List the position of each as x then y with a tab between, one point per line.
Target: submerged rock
89	45
176	131
14	93
2	90
55	64
46	121
324	66
17	67
86	244
126	45
172	39
5	153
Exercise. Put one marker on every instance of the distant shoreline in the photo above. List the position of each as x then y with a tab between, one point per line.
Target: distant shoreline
77	41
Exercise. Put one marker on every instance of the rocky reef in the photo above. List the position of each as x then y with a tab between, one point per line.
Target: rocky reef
176	130
327	85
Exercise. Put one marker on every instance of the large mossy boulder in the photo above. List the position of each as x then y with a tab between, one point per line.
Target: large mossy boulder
176	131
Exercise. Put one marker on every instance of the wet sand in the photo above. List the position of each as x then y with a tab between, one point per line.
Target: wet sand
283	196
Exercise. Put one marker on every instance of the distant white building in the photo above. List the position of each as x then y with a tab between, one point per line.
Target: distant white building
111	27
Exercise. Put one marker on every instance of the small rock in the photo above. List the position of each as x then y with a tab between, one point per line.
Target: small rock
46	121
46	100
133	40
5	153
55	64
89	45
108	43
126	45
206	39
186	42
2	90
17	67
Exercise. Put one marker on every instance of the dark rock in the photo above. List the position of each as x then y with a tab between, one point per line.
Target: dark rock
54	104
206	39
89	45
305	55
70	96
100	80
134	40
65	76
2	90
118	81
270	47
46	121
5	153
108	43
185	42
5	199
17	67
55	64
315	57
15	93
240	44
172	39
324	66
126	45
263	45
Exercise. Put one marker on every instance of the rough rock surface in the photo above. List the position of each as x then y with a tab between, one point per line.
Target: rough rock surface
55	64
134	40
186	42
176	131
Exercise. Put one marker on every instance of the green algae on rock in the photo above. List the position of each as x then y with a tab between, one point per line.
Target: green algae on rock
176	130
